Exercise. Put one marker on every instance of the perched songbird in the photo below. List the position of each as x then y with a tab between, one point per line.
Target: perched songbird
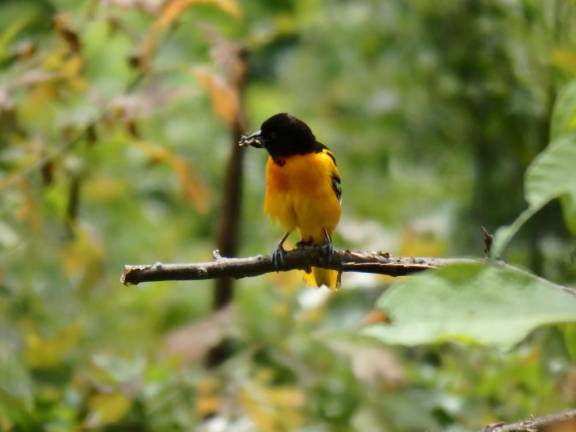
302	187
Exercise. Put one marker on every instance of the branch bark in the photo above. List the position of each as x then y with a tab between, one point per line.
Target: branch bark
534	424
297	259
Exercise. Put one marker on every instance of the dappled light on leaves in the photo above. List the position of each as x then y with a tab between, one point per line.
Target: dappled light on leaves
192	189
171	11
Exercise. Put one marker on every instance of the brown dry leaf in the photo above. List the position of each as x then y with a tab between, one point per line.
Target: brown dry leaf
62	26
193	189
170	12
373	365
225	99
192	342
377	316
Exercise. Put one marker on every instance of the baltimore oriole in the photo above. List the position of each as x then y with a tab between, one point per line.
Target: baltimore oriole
302	187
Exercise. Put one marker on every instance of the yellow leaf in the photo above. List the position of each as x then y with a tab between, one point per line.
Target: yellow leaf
207	405
71	72
11	32
172	10
72	67
83	259
564	59
49	351
193	189
420	243
105	189
225	100
107	408
273	408
229	6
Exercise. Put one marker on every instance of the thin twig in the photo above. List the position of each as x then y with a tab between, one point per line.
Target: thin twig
297	259
534	424
488	241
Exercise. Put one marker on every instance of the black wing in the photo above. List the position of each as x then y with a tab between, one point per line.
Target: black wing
337	187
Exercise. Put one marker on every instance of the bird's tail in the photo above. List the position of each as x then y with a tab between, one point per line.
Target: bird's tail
317	277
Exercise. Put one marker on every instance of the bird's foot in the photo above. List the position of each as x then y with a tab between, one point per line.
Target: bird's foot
278	257
327	248
304	243
279	253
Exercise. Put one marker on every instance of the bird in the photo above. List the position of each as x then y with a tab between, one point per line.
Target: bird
303	188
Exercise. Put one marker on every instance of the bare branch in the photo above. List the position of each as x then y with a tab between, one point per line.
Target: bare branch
301	258
534	424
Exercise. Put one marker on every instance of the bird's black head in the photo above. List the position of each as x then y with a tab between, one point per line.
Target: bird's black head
282	135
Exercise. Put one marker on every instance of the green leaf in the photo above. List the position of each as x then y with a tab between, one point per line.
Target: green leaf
564	115
569	212
485	304
569	333
15	389
551	175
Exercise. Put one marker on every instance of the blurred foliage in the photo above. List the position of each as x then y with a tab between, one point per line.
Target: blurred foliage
114	131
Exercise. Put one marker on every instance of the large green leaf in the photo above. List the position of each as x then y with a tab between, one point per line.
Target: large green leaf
551	175
564	115
486	304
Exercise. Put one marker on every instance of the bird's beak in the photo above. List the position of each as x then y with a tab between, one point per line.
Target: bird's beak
254	139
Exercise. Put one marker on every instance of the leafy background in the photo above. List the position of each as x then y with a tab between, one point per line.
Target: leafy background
116	119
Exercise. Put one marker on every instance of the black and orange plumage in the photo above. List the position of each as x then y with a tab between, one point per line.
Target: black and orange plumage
302	186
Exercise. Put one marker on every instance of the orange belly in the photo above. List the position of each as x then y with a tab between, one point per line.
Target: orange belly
299	195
